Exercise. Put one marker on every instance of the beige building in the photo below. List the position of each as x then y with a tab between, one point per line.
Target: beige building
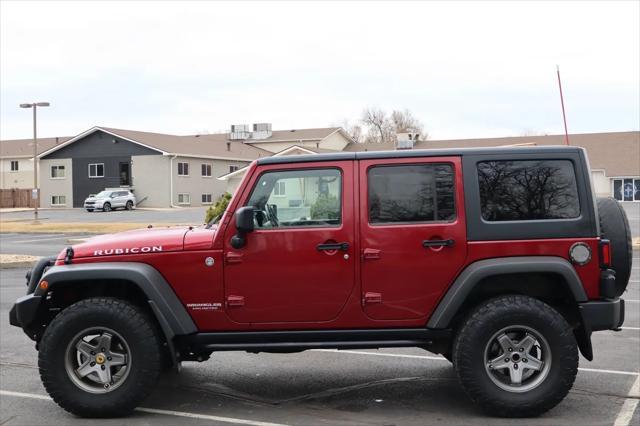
162	170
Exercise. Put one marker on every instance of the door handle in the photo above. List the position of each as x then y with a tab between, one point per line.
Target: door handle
438	243
333	246
235	301
371	254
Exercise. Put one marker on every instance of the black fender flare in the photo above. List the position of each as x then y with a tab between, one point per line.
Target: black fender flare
167	308
477	271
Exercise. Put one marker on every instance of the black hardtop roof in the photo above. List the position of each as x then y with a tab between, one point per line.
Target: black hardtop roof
413	153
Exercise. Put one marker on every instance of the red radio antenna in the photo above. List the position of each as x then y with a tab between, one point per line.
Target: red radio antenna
564	116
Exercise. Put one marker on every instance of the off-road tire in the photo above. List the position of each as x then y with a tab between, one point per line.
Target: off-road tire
129	205
106	207
494	315
614	226
145	365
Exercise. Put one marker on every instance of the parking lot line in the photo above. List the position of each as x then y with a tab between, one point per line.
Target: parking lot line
437	358
629	406
161	412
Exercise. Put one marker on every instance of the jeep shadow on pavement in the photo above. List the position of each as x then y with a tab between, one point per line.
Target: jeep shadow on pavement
500	259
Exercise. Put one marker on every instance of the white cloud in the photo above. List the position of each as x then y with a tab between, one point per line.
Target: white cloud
465	68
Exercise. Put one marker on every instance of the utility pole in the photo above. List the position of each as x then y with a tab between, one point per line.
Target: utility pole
36	191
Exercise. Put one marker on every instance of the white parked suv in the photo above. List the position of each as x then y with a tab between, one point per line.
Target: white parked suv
110	199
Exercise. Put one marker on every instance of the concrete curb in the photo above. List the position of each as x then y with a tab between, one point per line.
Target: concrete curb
18	264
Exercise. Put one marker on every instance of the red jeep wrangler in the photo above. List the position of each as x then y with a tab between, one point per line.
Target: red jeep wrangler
500	259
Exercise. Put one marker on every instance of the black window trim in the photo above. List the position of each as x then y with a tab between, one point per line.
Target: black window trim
422	222
282	228
584	226
520	221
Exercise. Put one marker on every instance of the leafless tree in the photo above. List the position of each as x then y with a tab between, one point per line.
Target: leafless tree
379	126
354	130
404	121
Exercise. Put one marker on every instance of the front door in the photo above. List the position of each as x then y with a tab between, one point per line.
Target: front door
413	235
125	174
298	263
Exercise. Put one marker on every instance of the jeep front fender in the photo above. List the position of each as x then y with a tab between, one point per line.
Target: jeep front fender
164	303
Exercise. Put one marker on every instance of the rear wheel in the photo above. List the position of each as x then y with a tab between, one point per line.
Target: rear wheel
106	207
100	357
515	356
129	205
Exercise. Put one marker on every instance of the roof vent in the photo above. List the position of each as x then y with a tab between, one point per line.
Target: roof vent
261	131
406	140
239	132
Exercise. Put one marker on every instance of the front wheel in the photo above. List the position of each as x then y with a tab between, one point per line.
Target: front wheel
516	356
106	207
100	357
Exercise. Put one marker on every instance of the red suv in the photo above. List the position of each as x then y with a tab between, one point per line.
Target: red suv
500	259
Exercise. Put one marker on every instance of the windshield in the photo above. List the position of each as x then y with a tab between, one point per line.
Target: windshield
103	194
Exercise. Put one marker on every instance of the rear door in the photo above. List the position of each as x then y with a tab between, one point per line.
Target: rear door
413	234
298	263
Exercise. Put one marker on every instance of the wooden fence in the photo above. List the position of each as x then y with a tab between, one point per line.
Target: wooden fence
16	198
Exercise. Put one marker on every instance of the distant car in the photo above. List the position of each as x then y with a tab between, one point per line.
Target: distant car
108	200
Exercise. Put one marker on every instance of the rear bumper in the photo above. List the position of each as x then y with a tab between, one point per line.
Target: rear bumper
602	314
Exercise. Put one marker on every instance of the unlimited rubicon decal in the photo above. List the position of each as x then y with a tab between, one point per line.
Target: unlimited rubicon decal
128	250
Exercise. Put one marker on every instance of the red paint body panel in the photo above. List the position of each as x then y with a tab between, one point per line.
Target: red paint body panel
589	273
409	277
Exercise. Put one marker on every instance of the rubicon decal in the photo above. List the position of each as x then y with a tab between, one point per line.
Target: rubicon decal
128	250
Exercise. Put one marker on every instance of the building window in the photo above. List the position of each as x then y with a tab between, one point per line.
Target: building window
183	169
14	165
233	169
57	172
96	170
626	189
206	198
528	190
411	193
280	189
184	199
206	170
58	200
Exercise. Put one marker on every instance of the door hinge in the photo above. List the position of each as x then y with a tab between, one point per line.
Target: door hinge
232	257
371	298
233	301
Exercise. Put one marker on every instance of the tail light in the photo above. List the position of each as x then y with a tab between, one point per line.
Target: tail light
605	253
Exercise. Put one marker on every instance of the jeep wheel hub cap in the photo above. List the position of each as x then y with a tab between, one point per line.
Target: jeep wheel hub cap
98	360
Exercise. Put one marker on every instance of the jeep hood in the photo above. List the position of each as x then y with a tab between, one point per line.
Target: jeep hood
145	241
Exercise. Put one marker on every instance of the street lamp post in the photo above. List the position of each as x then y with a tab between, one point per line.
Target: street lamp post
35	106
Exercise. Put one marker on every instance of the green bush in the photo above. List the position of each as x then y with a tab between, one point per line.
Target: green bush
325	207
218	208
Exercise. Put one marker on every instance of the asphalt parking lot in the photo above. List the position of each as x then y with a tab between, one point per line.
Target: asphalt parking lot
393	386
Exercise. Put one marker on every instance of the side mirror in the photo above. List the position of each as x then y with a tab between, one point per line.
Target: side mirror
244	219
244	225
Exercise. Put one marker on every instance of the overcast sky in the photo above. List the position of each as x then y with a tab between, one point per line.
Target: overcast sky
476	69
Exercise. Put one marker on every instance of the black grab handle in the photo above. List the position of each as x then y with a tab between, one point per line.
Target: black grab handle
438	243
333	246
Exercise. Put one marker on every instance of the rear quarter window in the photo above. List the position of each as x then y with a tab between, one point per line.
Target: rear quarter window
528	190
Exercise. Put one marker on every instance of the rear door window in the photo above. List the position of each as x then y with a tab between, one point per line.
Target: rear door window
411	193
528	190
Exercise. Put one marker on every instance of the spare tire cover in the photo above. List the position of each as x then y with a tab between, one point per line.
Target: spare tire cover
614	226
